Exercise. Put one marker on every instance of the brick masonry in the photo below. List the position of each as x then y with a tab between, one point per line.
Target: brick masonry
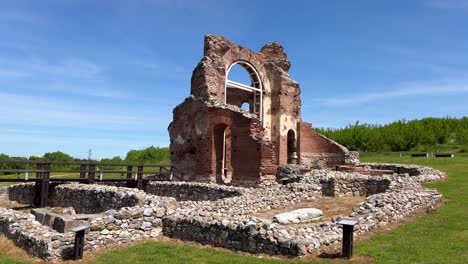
214	140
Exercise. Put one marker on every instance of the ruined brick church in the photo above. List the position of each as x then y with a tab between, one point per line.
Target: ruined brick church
214	140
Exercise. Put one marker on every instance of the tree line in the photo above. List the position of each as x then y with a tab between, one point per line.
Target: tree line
149	155
424	134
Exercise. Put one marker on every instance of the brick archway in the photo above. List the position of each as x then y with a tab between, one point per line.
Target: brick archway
253	94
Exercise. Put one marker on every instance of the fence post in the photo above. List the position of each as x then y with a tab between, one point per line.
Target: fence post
37	185
91	173
82	171
129	172
140	178
42	184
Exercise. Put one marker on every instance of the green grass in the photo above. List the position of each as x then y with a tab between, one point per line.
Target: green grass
440	237
158	252
6	260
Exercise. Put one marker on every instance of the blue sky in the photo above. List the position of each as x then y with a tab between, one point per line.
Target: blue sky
105	75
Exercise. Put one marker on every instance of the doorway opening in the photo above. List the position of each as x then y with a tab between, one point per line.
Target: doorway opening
292	153
222	146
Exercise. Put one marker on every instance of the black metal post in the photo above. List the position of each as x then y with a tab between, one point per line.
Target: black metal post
348	230
347	250
79	245
79	241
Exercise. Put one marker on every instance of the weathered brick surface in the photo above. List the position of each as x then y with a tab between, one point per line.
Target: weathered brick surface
315	148
255	144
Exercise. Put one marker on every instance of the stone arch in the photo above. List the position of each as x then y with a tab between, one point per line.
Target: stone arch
236	92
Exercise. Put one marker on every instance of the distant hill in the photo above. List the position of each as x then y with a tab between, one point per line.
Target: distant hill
428	134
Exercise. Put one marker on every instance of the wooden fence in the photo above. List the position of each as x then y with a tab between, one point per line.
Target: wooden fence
131	174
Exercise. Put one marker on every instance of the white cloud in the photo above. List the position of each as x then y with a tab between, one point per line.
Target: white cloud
67	68
34	110
404	90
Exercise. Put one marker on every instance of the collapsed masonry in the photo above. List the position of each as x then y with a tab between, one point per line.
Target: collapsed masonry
213	139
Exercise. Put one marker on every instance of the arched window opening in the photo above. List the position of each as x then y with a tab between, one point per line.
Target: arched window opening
292	154
245	106
243	86
239	74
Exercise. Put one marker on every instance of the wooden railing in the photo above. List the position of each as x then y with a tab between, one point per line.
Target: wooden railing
87	172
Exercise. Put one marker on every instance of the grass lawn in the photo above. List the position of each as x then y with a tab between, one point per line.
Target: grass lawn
441	237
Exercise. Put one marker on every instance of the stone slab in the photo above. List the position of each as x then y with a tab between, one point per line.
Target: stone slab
299	216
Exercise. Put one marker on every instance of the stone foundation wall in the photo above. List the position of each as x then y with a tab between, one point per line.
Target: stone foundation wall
29	235
3	192
129	224
358	185
247	234
222	215
396	199
21	193
114	227
92	198
183	191
84	198
420	173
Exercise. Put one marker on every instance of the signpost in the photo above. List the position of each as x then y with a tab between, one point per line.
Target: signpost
348	229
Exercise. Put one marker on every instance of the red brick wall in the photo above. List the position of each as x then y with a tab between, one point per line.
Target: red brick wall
310	141
313	148
282	144
248	156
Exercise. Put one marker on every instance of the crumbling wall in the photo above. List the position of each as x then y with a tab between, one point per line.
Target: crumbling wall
93	198
317	149
285	107
255	142
193	142
184	191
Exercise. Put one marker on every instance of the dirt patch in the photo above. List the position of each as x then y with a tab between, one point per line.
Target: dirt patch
331	207
25	208
14	252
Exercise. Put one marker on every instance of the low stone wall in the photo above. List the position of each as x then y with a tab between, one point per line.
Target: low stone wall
32	236
255	235
420	173
130	223
4	192
140	221
222	215
21	193
184	191
92	198
84	198
253	200
357	185
249	234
